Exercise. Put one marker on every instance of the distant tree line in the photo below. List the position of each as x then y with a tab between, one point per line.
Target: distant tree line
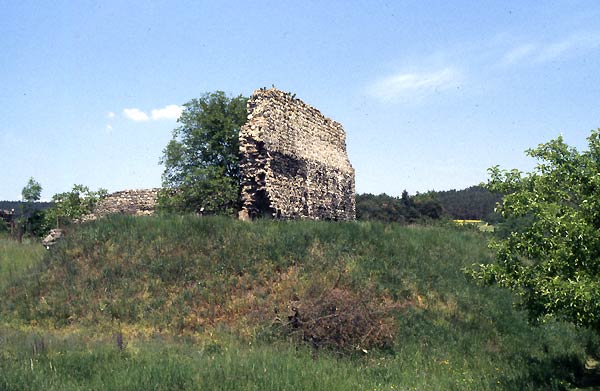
19	206
473	203
404	209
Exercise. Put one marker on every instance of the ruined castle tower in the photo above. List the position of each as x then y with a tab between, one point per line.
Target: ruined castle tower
293	161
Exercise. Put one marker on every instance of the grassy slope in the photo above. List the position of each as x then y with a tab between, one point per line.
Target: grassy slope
222	283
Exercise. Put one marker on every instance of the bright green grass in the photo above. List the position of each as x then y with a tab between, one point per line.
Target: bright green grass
148	274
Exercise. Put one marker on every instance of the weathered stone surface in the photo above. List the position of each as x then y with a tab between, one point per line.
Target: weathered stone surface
129	202
293	161
53	237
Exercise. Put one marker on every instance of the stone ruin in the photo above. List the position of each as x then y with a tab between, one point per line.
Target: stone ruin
128	202
53	237
293	161
293	164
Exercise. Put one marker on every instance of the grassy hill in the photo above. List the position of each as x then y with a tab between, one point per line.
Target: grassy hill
209	303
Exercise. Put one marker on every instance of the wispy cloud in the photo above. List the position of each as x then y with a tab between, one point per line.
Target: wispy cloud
111	114
167	112
519	53
414	84
549	51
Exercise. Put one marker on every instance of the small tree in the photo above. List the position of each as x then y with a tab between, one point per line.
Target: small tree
30	194
202	159
32	191
551	259
72	205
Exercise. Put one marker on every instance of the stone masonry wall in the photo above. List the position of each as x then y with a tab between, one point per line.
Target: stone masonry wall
130	202
293	161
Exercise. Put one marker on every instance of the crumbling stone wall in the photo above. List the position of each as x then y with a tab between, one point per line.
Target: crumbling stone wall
130	202
293	161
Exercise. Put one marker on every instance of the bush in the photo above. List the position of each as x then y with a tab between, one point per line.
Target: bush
343	321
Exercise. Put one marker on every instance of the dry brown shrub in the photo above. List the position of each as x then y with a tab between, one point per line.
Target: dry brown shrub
343	321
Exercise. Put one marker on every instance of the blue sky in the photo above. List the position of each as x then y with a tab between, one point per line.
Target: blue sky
430	93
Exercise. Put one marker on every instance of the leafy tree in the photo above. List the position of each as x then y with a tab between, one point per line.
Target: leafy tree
32	191
202	159
30	194
72	205
552	256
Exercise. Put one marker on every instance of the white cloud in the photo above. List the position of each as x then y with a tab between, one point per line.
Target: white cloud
167	112
109	127
135	114
414	84
110	114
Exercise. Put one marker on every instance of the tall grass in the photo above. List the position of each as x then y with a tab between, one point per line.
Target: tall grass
177	366
44	361
228	287
16	258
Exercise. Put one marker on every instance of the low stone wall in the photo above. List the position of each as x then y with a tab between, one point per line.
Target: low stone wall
293	161
128	202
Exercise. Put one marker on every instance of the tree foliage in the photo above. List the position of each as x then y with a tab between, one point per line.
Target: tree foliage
72	205
552	256
202	159
30	218
32	191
